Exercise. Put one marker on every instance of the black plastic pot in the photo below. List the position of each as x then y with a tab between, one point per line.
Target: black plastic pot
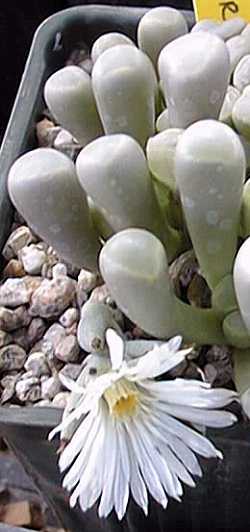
222	498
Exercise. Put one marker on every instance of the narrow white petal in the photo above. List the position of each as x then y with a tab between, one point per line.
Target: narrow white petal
75	472
76	443
156	362
146	466
190	437
121	489
71	385
137	485
171	487
123	449
210	418
89	478
107	498
116	348
180	392
187	460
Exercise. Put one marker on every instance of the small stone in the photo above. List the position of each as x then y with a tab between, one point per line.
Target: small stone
44	403
5	339
14	268
16	292
72	329
51	387
88	280
12	357
32	259
198	292
52	297
20	338
52	260
22	236
61	399
72	371
10	320
210	373
59	270
221	358
37	364
28	389
100	294
69	317
65	143
45	346
46	132
9	386
36	330
55	334
68	349
241	77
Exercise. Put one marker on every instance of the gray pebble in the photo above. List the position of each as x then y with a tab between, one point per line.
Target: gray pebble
241	77
50	387
88	280
20	338
36	330
43	403
32	259
61	399
55	334
72	371
37	364
28	389
12	357
69	317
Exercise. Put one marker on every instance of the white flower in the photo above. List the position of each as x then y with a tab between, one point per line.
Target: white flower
129	437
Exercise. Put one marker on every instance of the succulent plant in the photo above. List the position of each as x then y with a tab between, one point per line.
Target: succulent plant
164	129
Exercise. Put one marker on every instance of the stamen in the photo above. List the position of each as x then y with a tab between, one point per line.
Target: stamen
122	399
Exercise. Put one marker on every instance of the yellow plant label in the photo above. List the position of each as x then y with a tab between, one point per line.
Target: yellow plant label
221	10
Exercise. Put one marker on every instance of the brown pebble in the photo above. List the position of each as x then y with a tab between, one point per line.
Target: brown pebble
52	297
14	268
5	338
18	291
68	349
46	132
22	236
10	320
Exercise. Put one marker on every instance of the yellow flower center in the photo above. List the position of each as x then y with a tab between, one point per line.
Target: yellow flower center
122	399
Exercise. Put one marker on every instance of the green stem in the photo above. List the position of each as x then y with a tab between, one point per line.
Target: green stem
241	360
224	299
197	325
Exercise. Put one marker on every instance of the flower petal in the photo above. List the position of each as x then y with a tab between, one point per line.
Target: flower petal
156	362
75	472
116	348
181	392
190	437
171	486
107	497
210	418
146	464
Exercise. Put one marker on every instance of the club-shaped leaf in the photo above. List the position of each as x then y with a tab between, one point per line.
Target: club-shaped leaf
210	172
44	188
195	74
